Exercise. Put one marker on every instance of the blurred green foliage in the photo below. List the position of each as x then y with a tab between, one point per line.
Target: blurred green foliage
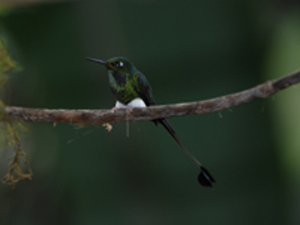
189	50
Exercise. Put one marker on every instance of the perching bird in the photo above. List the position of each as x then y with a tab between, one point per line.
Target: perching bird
131	89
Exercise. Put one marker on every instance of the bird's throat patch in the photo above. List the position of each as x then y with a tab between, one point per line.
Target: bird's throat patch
119	78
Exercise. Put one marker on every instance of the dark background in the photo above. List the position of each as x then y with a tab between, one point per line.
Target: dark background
189	50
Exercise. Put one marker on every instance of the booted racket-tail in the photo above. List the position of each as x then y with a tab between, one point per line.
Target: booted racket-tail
131	89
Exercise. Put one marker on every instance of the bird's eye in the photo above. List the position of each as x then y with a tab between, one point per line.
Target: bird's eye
119	64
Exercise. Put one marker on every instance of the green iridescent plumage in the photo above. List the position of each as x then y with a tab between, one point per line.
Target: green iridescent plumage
127	84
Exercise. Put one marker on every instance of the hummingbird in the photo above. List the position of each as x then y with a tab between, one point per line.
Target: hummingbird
131	89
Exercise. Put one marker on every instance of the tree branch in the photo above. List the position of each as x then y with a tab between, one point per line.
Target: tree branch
97	117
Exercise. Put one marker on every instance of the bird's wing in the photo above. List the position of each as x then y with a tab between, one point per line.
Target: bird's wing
143	89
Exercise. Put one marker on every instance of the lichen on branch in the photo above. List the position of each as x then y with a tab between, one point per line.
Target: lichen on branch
15	172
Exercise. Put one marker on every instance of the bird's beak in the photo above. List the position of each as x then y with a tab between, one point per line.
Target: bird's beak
97	61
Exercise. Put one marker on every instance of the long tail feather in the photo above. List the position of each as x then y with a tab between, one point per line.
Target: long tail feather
173	134
204	178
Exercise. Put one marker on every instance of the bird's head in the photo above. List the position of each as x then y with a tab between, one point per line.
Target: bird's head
119	64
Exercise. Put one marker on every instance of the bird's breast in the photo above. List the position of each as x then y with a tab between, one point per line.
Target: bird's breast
121	87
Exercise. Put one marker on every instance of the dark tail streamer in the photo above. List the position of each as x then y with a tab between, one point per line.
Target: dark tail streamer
204	178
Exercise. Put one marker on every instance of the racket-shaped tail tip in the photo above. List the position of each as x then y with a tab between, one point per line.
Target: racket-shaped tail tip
205	178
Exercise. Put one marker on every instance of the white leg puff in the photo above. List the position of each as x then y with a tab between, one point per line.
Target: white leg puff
119	105
137	102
